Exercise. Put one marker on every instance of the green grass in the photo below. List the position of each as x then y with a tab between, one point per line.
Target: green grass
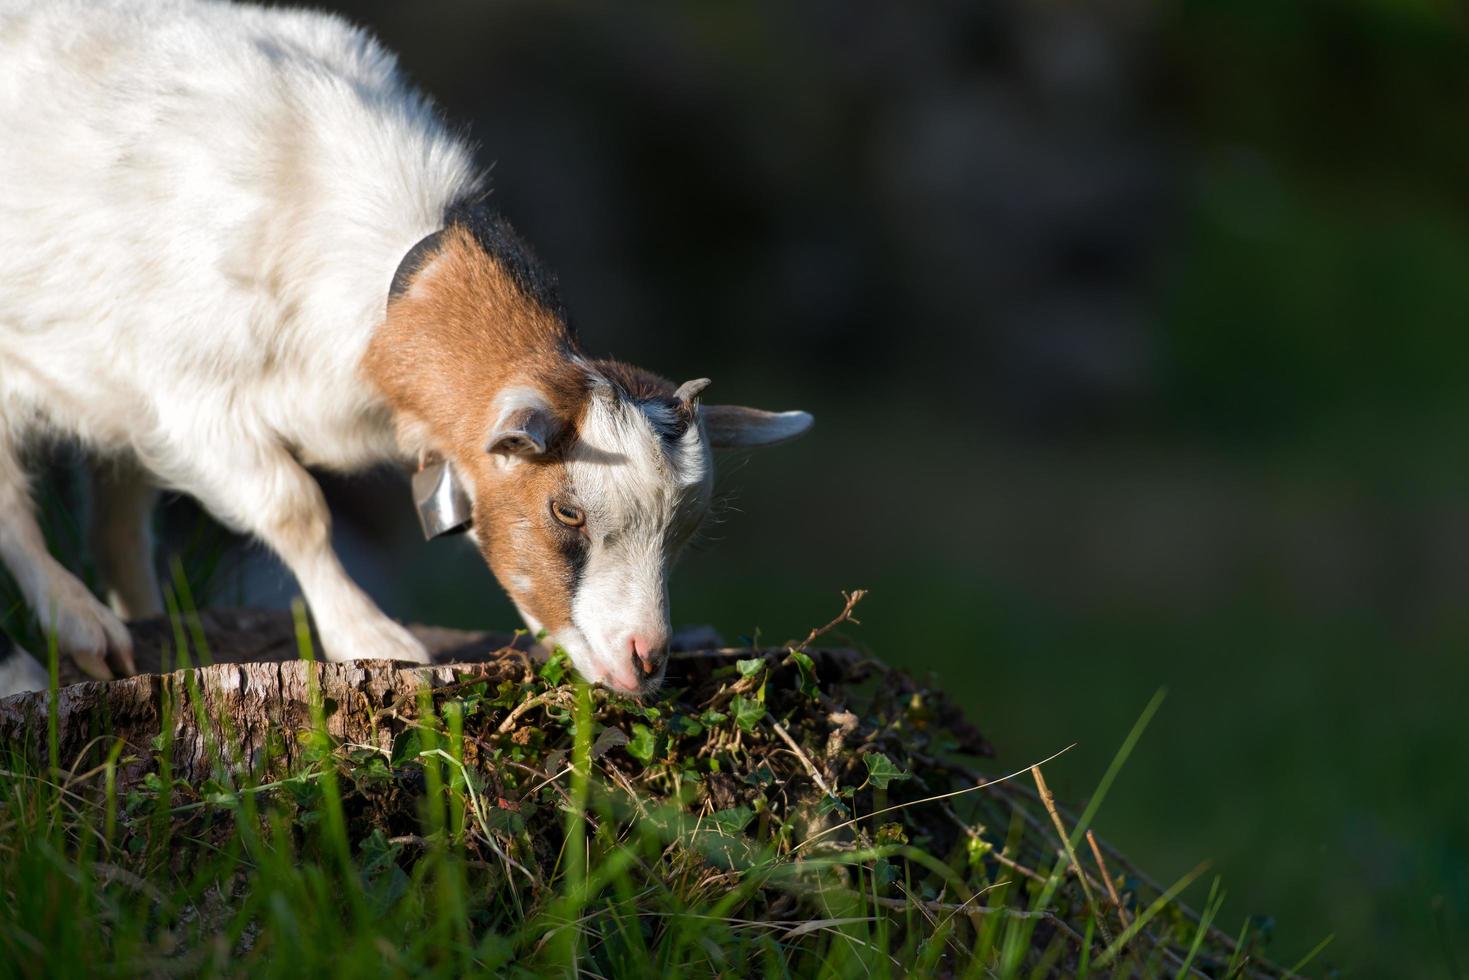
593	835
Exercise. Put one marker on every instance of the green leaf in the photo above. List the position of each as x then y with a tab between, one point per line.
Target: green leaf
892	833
763	776
732	821
217	794
830	805
749	668
407	746
316	745
807	667
748	712
305	795
555	667
643	745
881	771
377	852
610	739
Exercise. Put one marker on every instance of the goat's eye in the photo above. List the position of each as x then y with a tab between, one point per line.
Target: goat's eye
567	514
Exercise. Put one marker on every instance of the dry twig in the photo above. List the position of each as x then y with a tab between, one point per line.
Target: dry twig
1091	839
1086	888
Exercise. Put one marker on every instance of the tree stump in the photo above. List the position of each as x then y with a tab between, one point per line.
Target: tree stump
245	707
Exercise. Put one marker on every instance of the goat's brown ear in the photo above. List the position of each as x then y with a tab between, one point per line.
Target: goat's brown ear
737	427
523	430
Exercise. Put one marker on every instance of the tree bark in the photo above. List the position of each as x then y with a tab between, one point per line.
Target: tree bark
247	707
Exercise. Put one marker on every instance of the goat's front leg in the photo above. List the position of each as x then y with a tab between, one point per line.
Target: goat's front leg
85	629
19	671
263	490
122	540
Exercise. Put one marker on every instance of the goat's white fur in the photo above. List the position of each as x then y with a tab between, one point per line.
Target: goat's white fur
22	672
201	208
647	491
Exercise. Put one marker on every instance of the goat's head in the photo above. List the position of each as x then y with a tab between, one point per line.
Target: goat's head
586	478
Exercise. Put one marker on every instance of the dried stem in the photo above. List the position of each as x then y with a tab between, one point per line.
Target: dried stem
845	616
1086	888
1091	839
811	770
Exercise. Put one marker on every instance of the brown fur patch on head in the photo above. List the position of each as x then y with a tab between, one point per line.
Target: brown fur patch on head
537	559
461	332
466	329
634	382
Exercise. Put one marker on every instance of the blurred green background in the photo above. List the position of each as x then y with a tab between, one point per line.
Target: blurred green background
1136	338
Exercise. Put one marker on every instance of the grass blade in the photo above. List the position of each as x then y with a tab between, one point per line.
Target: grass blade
1315	952
1110	953
1206	918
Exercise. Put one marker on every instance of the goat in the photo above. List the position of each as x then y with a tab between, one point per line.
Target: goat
234	243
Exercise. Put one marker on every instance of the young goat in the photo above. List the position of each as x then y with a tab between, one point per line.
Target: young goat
202	208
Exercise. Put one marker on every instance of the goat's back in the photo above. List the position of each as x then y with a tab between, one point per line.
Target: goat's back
199	196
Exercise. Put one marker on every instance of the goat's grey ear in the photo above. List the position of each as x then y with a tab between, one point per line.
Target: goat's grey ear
523	430
736	427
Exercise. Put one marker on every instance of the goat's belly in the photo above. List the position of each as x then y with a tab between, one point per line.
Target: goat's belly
49	382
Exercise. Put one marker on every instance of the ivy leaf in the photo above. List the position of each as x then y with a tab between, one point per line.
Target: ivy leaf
507	695
732	821
377	852
763	776
555	667
881	771
830	805
305	795
644	743
749	668
316	745
892	833
807	667
407	746
748	712
610	739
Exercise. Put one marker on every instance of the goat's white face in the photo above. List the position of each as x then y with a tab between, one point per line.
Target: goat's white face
640	477
581	519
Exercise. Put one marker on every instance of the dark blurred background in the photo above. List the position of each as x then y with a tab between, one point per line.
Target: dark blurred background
1135	334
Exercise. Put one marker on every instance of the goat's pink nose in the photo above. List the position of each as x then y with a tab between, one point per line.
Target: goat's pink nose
649	650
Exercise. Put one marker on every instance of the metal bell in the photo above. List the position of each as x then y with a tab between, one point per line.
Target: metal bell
442	504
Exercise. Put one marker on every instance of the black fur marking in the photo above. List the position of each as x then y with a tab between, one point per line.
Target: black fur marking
501	243
417	256
673	421
572	549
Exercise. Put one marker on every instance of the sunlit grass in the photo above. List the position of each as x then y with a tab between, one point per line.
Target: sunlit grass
587	838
